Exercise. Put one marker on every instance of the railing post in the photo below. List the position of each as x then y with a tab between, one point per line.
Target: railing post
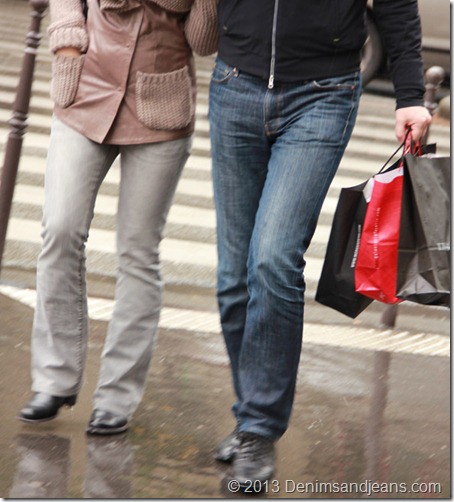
433	77
18	122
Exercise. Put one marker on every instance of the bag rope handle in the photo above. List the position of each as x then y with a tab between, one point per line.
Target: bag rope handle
409	146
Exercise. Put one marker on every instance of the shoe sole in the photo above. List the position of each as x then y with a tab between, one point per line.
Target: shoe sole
36	420
106	432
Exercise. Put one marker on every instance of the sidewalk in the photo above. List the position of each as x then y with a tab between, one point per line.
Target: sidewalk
359	415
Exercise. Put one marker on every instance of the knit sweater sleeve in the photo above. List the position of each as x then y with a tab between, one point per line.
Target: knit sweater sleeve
67	25
201	27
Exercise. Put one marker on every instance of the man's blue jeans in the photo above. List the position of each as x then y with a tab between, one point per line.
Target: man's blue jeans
275	153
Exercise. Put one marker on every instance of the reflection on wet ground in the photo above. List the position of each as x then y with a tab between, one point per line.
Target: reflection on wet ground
360	416
43	469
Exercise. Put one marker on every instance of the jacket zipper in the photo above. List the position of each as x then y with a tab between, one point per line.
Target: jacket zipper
273	46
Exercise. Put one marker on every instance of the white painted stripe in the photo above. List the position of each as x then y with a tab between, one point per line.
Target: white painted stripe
351	337
184	252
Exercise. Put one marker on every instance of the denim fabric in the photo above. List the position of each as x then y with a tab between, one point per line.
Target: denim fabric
75	169
275	153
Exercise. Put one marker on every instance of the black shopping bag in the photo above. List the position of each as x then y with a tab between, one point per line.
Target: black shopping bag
424	248
336	287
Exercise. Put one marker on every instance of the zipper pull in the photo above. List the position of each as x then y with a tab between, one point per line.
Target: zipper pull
271	82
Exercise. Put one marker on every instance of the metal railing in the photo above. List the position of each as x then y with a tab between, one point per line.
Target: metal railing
18	121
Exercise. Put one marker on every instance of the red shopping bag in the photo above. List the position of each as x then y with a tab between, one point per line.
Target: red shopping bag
376	266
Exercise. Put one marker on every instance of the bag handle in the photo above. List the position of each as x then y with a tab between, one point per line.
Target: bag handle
412	147
409	147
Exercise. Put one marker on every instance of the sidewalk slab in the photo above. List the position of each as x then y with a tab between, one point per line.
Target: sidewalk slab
360	416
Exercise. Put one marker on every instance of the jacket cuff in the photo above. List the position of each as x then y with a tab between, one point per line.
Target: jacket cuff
68	37
405	103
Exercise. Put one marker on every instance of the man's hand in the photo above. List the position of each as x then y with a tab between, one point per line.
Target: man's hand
416	118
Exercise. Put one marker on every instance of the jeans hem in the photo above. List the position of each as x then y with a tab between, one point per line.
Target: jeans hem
125	411
56	393
260	431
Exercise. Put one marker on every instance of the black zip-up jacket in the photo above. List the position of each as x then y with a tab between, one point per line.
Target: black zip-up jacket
297	40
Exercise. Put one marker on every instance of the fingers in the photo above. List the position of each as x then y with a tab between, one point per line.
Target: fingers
415	118
401	131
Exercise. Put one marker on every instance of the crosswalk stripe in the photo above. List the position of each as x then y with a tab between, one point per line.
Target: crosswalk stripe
193	321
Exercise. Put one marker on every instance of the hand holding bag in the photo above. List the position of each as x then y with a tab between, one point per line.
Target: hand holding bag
336	287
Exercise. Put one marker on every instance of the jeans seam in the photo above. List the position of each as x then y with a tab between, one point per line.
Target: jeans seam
81	320
352	106
82	294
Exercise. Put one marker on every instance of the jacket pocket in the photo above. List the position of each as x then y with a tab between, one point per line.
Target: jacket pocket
66	71
164	101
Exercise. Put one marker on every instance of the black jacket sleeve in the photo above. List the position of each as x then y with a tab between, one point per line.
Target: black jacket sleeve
400	28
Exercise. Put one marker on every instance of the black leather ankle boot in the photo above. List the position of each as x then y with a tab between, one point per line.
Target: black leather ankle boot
43	407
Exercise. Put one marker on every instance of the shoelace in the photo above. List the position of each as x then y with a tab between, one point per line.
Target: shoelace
253	445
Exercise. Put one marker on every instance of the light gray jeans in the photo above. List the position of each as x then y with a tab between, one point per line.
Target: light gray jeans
76	168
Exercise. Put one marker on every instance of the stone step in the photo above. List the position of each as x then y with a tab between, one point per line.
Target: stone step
200	189
41	108
37	143
204	324
356	162
183	262
352	171
375	130
9	84
32	169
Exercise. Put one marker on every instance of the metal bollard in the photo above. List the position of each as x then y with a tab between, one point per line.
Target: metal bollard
18	122
433	77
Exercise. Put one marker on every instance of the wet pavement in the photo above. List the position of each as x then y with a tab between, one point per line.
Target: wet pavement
360	417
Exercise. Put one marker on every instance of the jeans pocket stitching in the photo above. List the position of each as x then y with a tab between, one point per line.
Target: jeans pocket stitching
335	87
339	86
226	74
